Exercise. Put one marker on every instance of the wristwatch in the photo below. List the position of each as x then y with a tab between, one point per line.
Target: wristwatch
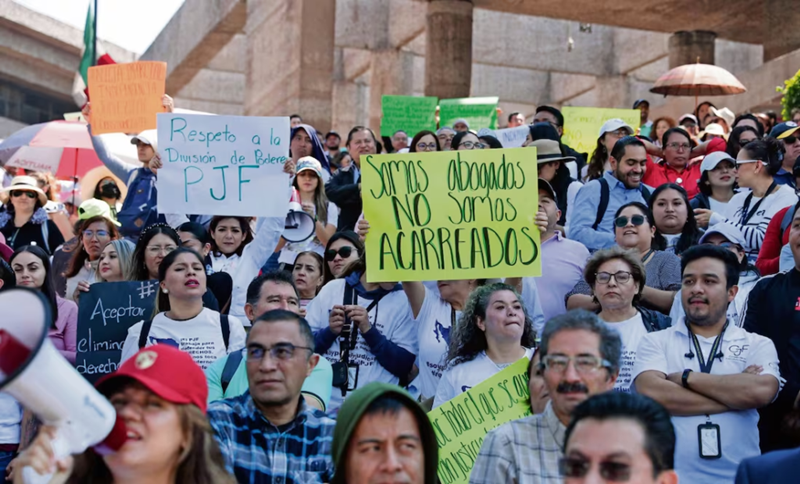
685	378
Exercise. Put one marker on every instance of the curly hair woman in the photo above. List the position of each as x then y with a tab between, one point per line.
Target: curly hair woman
493	332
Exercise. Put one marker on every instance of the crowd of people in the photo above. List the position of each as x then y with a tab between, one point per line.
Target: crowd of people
660	335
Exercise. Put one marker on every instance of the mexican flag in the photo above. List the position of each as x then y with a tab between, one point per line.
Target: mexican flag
92	55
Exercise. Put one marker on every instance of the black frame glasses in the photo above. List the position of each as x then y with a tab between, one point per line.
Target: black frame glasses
345	252
621	277
622	221
575	467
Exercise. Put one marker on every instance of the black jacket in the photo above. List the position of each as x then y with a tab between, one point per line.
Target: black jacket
342	189
32	234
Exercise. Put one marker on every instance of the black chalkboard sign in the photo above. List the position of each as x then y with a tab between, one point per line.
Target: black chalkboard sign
104	315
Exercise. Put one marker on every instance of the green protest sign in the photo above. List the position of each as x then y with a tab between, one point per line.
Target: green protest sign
479	112
461	423
411	114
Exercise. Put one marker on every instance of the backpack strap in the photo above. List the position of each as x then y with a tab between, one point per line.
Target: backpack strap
645	193
145	333
226	329
787	220
231	365
605	193
46	235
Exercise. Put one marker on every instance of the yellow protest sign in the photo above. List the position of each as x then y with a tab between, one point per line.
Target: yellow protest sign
125	98
461	423
582	125
451	215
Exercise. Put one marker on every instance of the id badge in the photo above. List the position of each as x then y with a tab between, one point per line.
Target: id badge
709	441
352	377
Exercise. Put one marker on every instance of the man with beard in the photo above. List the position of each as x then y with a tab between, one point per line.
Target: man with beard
592	219
270	434
579	358
344	188
710	374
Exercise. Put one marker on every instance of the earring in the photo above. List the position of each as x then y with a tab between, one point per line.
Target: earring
165	291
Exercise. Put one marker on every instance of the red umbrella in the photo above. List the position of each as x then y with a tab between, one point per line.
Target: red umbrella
61	147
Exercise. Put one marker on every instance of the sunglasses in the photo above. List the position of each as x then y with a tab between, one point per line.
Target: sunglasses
579	468
19	193
790	140
344	252
622	221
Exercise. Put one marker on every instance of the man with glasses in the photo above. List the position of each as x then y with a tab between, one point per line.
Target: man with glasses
344	188
788	133
677	166
270	434
710	374
579	358
399	141
619	437
227	377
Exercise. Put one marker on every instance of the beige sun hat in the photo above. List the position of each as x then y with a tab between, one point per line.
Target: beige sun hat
26	183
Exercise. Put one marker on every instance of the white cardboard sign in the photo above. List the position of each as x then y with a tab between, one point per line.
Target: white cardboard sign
223	165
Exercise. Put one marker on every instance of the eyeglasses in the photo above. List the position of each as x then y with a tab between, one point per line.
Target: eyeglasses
620	133
99	233
744	162
790	140
344	252
19	193
611	471
426	147
622	221
583	364
471	145
679	146
281	351
621	277
158	250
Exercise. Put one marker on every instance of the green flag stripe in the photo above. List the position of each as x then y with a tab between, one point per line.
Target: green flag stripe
89	55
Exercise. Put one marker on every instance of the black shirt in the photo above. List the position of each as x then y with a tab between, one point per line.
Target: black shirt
33	234
773	310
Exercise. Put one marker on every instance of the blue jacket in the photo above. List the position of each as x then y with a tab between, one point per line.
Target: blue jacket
773	468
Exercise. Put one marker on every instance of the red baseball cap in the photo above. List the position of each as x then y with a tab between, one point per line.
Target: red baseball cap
166	371
716	144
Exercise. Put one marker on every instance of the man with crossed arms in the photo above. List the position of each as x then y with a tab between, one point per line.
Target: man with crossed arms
709	373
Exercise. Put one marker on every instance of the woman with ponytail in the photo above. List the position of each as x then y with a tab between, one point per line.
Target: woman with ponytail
751	210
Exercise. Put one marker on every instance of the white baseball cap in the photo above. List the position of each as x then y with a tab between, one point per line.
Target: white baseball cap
712	160
614	124
730	232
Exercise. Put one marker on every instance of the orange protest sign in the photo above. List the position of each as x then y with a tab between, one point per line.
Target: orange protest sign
126	97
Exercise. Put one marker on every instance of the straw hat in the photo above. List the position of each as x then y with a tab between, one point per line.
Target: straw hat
27	183
92	178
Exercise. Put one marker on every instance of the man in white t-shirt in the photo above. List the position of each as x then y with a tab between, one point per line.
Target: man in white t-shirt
579	358
710	374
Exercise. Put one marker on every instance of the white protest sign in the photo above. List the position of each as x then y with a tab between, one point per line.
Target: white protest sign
508	137
223	165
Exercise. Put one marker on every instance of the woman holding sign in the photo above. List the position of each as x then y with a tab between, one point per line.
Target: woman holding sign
31	266
182	321
493	332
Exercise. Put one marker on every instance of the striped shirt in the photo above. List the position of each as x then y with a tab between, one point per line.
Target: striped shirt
256	451
524	451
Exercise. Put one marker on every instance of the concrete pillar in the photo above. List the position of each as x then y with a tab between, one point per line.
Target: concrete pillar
448	49
781	21
391	73
686	47
290	54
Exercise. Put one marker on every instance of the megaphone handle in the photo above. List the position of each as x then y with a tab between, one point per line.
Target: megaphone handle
61	449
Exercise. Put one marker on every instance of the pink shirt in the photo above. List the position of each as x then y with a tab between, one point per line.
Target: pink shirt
64	335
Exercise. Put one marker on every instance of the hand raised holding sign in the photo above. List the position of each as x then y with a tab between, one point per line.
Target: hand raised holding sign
168	103
362	229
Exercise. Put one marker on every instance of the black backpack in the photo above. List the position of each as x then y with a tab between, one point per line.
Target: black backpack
605	194
223	322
